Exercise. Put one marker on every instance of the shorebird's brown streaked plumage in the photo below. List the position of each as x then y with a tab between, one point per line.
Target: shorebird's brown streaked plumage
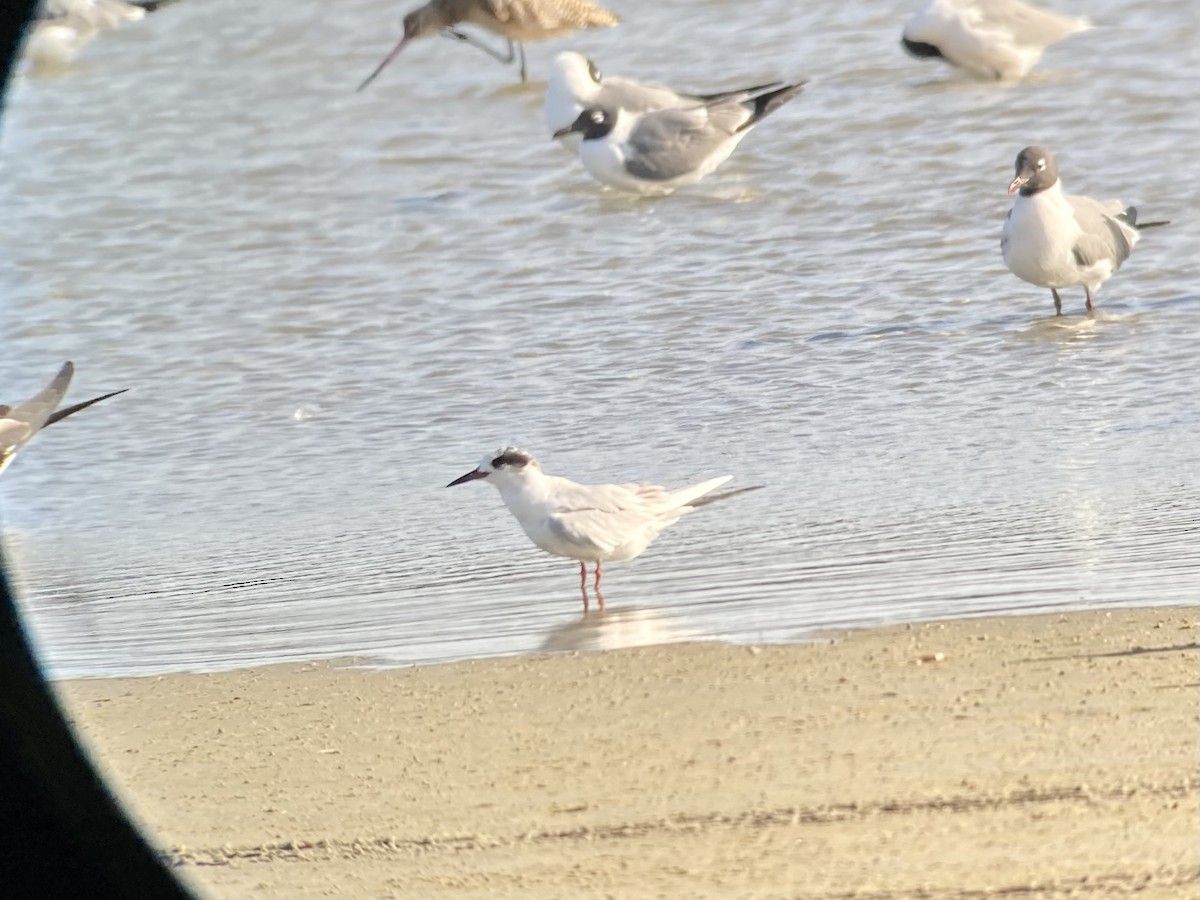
515	20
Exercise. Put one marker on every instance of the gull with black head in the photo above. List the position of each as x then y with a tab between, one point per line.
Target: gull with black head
1058	240
988	39
576	84
595	523
516	21
659	151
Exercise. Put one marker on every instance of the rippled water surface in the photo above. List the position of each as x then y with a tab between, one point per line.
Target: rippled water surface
326	305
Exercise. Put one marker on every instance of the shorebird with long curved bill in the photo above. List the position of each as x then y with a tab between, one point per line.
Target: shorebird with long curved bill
1054	239
992	40
63	27
576	84
517	21
18	424
594	523
660	151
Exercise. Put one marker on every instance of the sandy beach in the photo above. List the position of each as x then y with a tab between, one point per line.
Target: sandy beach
1045	756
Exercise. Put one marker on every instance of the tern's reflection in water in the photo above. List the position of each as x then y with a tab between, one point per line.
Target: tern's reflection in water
614	629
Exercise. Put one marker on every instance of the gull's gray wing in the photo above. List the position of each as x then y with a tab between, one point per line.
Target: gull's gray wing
1028	25
738	94
21	422
637	96
668	143
1104	236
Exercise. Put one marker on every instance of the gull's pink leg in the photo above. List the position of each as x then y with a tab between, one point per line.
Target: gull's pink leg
1088	291
583	587
599	596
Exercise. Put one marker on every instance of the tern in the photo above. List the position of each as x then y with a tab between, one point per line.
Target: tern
576	84
989	39
1057	240
62	27
18	424
662	150
595	523
516	21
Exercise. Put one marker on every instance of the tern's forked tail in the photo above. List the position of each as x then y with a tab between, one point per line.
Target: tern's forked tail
724	495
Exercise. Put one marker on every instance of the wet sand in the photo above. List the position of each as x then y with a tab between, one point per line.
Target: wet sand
1045	756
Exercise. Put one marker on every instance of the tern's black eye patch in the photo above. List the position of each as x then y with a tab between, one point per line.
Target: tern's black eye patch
513	458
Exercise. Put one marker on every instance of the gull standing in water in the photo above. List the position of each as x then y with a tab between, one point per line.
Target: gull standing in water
516	21
659	151
990	39
62	27
1056	240
18	424
576	84
589	522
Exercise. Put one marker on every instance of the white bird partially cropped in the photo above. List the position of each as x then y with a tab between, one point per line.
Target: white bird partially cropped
63	27
989	39
595	523
18	424
659	151
576	84
1057	240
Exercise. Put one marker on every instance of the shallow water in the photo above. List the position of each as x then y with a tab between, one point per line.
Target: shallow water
327	305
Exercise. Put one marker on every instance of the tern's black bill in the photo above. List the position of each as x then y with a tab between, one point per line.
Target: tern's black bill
470	476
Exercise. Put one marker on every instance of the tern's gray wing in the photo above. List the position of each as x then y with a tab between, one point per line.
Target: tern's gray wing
1028	25
600	517
60	414
1103	235
55	9
97	14
669	143
87	13
21	422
